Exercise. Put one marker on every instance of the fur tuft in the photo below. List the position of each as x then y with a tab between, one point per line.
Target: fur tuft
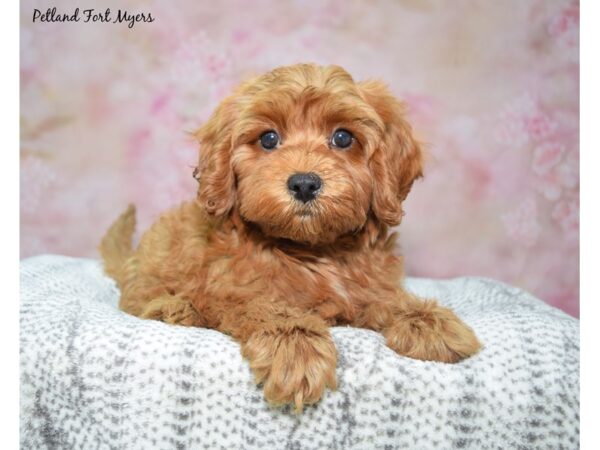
117	246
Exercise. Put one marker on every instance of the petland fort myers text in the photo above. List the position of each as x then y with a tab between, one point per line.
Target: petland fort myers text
92	15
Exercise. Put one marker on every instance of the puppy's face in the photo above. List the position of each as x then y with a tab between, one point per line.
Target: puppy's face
306	154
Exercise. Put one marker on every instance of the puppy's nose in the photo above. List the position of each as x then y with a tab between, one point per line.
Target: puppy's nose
304	186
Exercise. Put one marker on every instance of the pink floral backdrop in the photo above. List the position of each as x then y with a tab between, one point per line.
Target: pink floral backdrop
492	88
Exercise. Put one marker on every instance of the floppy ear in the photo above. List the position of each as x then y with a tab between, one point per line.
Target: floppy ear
398	159
216	193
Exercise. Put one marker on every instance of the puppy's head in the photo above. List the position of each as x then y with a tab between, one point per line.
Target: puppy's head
307	154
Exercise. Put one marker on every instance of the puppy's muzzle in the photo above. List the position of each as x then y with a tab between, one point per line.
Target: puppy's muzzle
304	186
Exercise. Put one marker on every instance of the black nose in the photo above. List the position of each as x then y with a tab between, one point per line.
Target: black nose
304	186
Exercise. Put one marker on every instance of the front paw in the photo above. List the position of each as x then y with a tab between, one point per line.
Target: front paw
172	309
294	366
432	333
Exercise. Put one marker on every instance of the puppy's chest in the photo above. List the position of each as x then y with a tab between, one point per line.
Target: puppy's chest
333	285
279	274
327	275
339	286
308	281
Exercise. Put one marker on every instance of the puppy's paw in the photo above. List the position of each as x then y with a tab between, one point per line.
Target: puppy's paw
432	333
172	309
293	366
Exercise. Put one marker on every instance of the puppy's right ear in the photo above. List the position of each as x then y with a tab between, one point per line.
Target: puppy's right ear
216	193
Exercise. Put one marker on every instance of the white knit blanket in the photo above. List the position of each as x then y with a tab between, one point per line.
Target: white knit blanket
93	377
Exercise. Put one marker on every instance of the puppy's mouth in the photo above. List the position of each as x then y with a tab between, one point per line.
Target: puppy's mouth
305	211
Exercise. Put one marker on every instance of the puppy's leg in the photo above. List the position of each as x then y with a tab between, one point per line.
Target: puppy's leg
172	309
421	329
291	352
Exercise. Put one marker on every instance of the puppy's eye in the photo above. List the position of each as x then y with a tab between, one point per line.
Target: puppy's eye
342	138
269	140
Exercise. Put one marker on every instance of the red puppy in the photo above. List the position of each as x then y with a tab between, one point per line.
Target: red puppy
302	170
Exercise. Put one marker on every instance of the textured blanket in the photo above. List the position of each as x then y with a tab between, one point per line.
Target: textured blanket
93	377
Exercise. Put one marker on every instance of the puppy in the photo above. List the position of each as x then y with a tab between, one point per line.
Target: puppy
301	172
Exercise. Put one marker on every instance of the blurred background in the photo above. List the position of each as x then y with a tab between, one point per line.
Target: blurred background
492	89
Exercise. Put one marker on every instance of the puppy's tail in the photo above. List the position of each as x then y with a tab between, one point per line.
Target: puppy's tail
116	246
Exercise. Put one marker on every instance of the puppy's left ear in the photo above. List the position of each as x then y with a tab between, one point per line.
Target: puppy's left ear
216	192
398	159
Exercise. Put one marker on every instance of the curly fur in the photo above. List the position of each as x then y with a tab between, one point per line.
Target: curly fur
248	259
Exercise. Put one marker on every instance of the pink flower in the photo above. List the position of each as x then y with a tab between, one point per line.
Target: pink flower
522	120
521	223
566	214
240	36
554	176
546	156
568	171
566	24
549	186
538	125
160	102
